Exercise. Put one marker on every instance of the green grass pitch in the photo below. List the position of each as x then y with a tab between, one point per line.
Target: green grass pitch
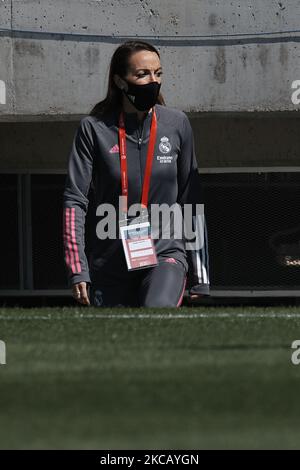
189	378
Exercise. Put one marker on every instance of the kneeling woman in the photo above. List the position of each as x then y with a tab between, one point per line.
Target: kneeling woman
132	149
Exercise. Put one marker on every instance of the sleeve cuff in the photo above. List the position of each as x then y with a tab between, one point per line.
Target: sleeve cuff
81	277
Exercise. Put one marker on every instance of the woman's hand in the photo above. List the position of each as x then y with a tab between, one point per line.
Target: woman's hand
194	297
80	293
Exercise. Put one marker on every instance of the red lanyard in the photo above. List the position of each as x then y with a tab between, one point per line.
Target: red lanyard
123	161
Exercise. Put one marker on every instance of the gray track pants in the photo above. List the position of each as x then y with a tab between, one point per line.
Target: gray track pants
159	286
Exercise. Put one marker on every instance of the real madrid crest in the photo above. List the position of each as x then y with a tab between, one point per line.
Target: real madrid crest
165	146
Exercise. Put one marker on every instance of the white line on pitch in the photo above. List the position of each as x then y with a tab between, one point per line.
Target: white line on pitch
169	316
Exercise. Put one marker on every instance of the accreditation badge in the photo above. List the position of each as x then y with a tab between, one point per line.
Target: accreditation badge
137	243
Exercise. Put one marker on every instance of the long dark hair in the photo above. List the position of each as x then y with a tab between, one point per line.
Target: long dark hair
119	65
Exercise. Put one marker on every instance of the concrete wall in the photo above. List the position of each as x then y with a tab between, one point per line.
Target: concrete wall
52	74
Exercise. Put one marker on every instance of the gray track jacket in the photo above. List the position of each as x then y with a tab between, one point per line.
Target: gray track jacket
94	165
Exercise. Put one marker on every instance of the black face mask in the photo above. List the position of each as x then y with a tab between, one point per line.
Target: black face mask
143	97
